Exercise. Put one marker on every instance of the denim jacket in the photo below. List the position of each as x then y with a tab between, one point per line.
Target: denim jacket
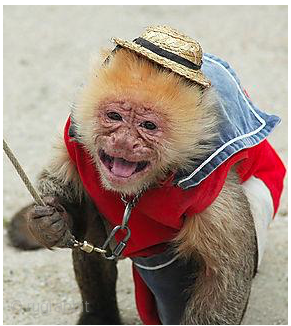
242	124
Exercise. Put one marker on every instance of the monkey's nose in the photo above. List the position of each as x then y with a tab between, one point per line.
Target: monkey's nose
136	145
125	142
131	145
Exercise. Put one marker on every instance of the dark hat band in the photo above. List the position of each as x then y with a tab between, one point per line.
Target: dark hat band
166	54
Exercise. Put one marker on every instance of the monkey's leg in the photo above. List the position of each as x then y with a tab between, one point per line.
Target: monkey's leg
223	239
95	275
97	282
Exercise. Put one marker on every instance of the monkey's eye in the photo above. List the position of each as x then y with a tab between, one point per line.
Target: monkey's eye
114	116
148	125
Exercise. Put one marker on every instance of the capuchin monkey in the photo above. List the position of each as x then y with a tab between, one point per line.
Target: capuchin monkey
140	123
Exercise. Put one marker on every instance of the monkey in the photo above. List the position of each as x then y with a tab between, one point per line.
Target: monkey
144	121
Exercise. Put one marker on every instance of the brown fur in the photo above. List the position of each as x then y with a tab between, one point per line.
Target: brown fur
61	177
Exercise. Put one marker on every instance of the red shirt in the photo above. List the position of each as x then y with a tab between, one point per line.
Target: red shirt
160	212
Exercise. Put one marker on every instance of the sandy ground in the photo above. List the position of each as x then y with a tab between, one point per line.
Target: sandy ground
46	55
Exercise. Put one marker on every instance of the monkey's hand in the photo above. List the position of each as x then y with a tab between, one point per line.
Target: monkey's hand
51	224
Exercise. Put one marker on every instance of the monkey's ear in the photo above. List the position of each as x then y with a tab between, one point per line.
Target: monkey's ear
97	59
105	53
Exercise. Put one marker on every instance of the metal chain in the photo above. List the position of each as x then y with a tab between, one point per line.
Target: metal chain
134	200
129	205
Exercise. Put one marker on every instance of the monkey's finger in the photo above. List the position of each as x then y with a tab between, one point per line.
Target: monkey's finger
57	225
67	240
60	208
49	239
40	211
52	222
54	202
71	242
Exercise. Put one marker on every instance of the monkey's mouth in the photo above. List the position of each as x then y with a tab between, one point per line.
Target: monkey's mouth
120	167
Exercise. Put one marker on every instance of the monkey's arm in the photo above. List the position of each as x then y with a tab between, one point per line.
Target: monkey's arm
61	177
222	238
62	191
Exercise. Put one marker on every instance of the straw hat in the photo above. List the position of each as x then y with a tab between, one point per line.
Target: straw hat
171	49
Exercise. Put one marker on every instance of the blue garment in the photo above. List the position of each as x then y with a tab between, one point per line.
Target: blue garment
168	278
242	124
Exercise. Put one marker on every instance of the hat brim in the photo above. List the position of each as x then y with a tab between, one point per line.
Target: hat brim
194	75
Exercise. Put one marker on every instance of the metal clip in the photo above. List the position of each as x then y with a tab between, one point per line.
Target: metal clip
120	246
87	247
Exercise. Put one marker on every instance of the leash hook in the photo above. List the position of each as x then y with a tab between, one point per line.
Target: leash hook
117	251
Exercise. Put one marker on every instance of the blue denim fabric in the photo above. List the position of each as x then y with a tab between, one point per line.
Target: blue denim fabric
242	124
168	284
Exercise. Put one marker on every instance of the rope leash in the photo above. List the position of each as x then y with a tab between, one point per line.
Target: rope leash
22	174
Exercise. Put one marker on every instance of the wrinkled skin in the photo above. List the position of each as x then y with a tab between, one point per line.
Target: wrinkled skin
128	145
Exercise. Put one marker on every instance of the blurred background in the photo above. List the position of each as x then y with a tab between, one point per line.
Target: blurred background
47	53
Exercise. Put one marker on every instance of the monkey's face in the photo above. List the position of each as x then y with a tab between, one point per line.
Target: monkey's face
128	148
141	123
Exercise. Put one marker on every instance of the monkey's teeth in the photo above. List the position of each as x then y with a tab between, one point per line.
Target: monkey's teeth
106	159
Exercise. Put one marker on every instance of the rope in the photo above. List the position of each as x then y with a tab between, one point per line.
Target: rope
22	174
